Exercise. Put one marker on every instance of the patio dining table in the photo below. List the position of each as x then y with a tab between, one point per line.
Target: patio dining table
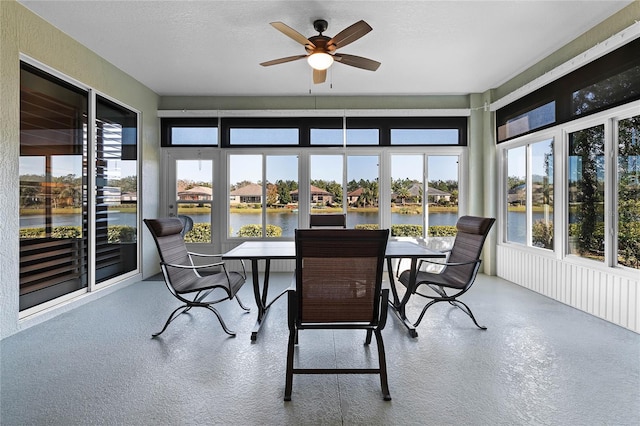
256	251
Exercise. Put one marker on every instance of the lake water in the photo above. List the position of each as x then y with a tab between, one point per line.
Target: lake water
289	221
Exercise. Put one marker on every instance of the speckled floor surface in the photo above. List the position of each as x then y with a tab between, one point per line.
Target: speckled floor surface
539	363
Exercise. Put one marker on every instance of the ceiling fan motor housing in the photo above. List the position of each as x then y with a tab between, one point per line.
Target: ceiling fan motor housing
320	25
320	42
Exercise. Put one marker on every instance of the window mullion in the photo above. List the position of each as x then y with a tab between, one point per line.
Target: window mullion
264	195
91	188
610	193
425	195
528	195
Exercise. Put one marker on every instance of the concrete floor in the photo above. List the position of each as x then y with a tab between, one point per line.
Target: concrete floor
539	363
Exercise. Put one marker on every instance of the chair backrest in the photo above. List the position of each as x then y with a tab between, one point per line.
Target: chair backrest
472	232
339	274
334	220
171	248
187	224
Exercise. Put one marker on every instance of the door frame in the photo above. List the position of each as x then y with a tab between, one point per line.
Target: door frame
169	196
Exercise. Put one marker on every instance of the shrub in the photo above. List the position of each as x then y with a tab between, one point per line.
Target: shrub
121	234
542	234
201	233
406	230
588	244
66	232
442	231
256	231
416	231
32	233
368	226
115	233
629	244
408	210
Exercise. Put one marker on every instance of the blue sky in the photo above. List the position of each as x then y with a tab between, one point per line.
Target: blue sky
516	159
329	167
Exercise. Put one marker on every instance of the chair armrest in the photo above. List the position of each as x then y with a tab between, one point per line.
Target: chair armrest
194	267
244	268
451	263
383	308
192	253
292	306
438	262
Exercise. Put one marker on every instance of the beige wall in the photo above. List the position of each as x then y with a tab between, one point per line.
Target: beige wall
22	32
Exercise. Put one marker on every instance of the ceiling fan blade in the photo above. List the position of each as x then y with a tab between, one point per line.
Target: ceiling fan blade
357	61
319	76
349	35
283	60
290	32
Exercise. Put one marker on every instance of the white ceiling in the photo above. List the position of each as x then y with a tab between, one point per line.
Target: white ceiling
200	48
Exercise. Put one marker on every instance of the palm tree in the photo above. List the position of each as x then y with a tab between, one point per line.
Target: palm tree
403	193
366	198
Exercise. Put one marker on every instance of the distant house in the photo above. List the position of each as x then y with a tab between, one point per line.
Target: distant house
111	195
517	194
356	196
318	196
353	196
128	197
249	194
433	195
196	193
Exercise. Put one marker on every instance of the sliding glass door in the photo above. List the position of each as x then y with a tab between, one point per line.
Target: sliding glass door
116	190
78	189
53	191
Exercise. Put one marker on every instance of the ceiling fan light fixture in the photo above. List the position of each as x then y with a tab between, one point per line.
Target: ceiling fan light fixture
320	60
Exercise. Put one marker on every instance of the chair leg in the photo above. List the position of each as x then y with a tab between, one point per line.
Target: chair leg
467	311
242	305
383	366
293	338
224	326
427	306
173	316
368	339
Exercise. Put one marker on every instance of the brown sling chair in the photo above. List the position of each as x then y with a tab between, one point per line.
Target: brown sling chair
329	220
338	285
188	282
460	268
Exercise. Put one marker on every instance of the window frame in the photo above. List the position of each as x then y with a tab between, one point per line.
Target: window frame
525	142
168	123
609	119
561	90
304	178
384	125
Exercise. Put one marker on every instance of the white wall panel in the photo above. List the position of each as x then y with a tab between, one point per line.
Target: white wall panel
609	295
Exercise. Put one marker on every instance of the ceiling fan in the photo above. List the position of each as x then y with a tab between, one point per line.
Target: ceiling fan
321	50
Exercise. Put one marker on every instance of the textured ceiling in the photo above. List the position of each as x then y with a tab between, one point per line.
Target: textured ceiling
199	48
